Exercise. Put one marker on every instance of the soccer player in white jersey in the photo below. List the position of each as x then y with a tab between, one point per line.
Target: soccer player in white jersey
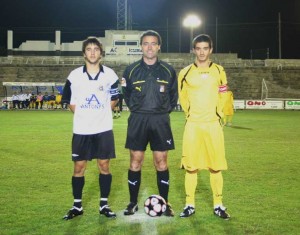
91	92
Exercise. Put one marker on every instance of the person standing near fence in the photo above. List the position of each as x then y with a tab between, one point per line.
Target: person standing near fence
39	101
27	99
32	101
228	109
52	100
91	91
58	102
46	100
119	107
121	98
201	86
15	100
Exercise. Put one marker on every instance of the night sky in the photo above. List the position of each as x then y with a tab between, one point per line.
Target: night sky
243	25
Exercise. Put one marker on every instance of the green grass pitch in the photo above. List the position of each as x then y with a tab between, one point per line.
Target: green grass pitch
261	186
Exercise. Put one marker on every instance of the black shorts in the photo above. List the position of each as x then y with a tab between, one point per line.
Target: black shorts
153	128
96	146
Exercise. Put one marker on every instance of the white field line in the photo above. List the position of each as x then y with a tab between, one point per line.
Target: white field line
148	224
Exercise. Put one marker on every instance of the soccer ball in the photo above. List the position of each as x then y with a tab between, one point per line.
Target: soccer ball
155	205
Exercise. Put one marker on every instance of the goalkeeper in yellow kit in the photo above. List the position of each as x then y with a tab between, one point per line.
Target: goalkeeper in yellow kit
228	108
201	86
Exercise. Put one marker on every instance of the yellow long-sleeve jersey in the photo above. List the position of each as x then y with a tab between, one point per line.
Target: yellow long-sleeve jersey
200	92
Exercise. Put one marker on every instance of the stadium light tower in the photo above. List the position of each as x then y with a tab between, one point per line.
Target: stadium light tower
122	14
191	21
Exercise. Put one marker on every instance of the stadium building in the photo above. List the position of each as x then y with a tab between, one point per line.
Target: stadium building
115	42
40	66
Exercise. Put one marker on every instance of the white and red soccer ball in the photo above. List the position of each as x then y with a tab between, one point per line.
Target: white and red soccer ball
155	205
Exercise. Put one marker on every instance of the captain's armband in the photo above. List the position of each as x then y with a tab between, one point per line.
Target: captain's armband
222	89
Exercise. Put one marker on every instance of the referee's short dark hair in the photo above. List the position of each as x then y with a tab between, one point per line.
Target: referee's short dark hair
151	33
203	38
92	40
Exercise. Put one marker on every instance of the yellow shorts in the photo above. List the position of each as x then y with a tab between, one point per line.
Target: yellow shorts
203	146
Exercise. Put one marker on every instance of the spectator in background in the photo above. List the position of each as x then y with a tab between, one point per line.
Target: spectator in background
4	104
228	109
178	107
121	97
27	99
46	100
22	98
118	107
58	101
52	100
39	101
15	100
32	101
117	111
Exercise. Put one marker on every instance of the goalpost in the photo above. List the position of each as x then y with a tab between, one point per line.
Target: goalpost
288	102
264	90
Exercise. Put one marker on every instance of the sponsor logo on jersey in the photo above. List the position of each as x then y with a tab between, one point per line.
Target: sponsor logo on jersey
92	102
204	75
139	88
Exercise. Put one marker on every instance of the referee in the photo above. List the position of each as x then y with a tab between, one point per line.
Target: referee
91	92
150	92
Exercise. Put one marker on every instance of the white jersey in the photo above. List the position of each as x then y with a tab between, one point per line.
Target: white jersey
27	96
15	97
22	97
92	99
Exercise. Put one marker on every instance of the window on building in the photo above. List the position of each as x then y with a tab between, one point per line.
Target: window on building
132	43
126	43
120	43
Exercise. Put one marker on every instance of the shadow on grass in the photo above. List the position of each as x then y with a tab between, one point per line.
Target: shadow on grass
73	226
241	127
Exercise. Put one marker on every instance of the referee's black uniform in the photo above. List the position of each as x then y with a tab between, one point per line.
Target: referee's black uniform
150	92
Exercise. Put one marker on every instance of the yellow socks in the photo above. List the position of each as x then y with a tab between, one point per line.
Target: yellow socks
190	187
216	183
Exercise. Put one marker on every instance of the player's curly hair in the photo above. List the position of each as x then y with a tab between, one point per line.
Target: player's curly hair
92	40
203	38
